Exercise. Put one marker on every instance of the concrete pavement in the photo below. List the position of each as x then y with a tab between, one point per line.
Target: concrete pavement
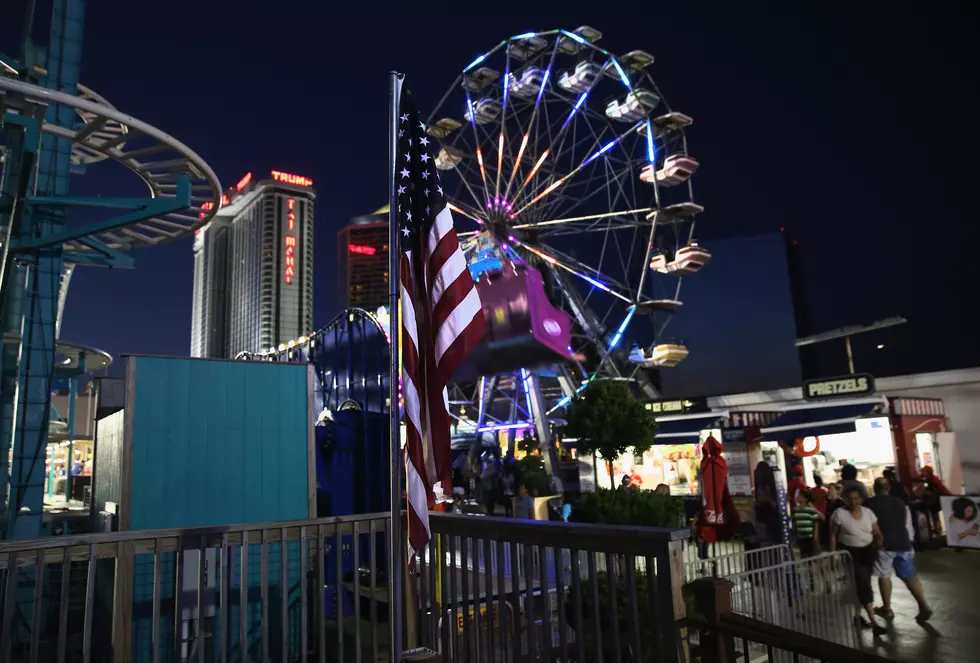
951	580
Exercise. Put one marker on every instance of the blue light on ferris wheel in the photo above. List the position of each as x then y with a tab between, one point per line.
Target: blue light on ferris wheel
527	392
604	148
526	35
578	104
571	35
651	150
544	81
622	74
622	328
475	62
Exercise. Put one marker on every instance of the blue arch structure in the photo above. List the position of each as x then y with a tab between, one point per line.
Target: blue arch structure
351	358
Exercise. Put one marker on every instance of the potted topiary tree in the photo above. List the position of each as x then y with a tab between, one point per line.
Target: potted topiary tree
608	421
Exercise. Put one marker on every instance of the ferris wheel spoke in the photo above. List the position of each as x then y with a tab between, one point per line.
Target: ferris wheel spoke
587	217
574	267
534	115
460	209
595	155
586	145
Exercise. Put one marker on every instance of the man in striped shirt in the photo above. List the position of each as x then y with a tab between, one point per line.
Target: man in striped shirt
806	522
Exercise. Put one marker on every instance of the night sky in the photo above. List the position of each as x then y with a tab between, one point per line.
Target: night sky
852	132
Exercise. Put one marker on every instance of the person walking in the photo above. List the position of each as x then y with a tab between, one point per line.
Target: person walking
819	495
896	486
849	480
806	523
834	502
508	483
855	529
488	486
896	555
524	504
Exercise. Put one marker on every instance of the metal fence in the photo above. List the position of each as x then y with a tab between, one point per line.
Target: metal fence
316	590
739	561
239	593
814	596
514	590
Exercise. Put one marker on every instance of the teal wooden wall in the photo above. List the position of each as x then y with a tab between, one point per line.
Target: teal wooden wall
217	442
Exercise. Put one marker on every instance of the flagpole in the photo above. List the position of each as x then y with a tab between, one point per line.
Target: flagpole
397	540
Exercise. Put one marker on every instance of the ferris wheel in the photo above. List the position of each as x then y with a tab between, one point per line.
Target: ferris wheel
565	159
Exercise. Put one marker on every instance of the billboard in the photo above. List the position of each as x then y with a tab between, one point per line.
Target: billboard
962	517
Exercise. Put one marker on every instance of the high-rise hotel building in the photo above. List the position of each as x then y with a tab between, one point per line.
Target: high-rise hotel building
362	261
253	268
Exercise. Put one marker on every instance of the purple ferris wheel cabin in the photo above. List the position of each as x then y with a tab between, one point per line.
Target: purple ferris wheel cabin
524	330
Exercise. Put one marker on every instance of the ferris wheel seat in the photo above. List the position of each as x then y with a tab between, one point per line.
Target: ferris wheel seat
524	330
526	84
677	168
637	60
664	355
688	260
586	32
524	49
634	107
676	213
668	355
582	78
659	263
444	127
658	305
478	80
448	158
668	123
483	111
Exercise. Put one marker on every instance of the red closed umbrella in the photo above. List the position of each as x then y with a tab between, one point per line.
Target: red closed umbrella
718	518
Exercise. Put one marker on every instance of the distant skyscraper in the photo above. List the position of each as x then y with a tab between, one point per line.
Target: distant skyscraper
362	261
253	268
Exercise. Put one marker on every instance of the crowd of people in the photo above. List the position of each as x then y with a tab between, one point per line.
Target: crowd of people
876	531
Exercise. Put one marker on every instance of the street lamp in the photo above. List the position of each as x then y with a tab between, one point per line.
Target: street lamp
847	332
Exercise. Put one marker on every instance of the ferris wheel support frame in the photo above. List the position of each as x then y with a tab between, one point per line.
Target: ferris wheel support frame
47	130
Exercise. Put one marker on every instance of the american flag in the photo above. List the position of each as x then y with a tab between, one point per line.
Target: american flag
441	317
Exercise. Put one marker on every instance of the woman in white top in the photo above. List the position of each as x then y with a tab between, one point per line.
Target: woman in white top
855	529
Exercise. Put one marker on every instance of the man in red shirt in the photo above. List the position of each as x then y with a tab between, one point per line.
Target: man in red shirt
796	485
819	495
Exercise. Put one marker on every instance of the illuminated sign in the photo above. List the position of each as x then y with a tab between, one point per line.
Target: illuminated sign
678	407
289	241
847	385
242	183
287	178
363	250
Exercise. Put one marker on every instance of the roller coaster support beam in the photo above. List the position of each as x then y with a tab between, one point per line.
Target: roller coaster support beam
144	208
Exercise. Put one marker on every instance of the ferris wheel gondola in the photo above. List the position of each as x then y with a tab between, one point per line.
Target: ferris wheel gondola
567	162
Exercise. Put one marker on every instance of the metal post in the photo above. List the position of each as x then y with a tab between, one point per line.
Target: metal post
396	535
72	395
850	357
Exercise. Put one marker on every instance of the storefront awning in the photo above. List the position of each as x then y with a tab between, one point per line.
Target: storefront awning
686	428
825	418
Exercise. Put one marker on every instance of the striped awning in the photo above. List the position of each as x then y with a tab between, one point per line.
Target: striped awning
686	428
